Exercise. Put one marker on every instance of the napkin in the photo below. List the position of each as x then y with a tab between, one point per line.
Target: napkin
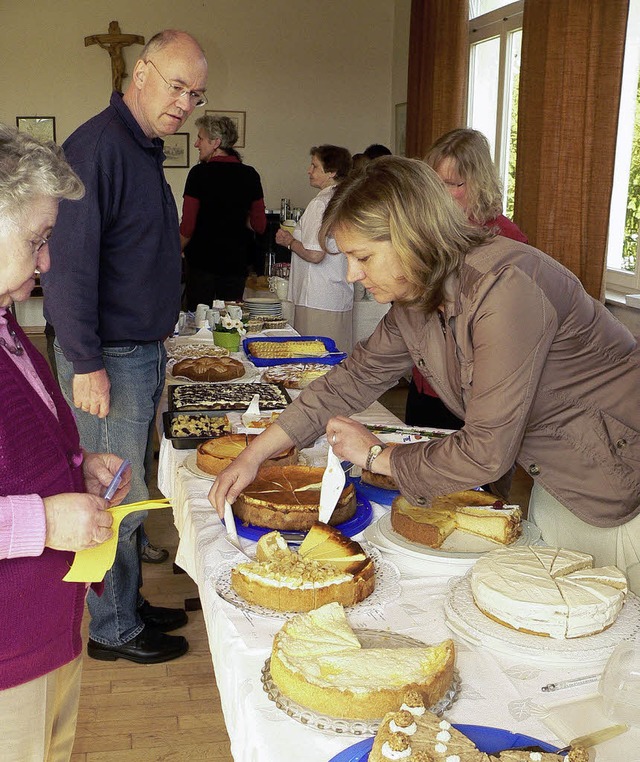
92	564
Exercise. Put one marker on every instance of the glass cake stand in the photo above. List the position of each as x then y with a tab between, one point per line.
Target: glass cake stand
351	727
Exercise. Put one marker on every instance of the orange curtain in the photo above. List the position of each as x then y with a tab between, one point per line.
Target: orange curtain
437	80
570	77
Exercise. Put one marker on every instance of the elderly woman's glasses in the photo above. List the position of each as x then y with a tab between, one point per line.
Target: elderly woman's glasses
38	242
179	91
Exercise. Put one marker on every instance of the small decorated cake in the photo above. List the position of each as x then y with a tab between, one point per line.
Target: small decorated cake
416	735
318	661
288	497
548	591
328	567
214	455
479	513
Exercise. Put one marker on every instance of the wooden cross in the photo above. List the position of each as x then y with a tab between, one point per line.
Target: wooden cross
113	42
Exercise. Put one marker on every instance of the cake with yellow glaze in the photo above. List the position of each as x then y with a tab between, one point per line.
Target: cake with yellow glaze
328	567
214	455
318	662
479	513
413	734
548	591
288	497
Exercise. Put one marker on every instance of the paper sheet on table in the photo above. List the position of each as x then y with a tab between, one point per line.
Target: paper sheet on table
92	564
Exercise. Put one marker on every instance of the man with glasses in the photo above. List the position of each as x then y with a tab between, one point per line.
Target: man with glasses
112	297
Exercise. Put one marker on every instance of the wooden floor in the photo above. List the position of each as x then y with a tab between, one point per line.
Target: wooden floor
169	712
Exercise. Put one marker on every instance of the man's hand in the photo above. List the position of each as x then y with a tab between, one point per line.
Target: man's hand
76	521
98	470
91	392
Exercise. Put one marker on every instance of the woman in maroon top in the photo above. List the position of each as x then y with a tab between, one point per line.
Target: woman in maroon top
462	160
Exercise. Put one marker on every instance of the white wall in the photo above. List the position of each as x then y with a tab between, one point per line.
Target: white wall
305	71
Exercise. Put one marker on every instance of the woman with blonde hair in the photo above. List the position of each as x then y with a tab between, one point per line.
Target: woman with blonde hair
540	372
462	160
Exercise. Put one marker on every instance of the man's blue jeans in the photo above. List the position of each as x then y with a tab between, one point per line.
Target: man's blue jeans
137	375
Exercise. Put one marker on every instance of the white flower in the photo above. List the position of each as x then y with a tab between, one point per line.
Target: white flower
227	322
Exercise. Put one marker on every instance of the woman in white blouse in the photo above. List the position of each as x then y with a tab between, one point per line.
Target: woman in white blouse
318	281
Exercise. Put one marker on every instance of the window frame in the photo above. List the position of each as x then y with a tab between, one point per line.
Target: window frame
500	23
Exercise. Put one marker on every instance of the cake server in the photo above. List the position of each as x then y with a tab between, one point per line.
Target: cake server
333	481
232	533
252	413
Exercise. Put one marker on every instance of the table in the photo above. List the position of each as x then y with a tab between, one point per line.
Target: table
496	690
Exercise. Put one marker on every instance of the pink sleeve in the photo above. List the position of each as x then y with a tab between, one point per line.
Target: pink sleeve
257	216
190	209
22	526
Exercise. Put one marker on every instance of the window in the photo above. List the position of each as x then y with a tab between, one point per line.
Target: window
623	268
495	39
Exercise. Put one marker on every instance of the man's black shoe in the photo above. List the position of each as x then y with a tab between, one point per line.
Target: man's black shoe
162	619
149	647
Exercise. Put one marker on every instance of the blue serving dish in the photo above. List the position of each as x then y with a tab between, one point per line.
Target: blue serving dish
329	344
488	740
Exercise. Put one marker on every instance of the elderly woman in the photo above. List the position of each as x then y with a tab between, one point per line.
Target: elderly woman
541	373
462	160
318	283
223	207
50	489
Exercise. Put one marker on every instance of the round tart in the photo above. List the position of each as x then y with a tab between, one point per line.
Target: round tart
288	497
209	368
214	455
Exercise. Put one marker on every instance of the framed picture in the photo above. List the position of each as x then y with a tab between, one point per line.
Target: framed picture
176	150
401	129
238	118
40	127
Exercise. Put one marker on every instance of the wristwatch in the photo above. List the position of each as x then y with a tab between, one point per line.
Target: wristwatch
374	451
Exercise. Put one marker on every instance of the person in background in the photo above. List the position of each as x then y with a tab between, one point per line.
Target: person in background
462	160
113	296
375	150
540	372
358	161
317	283
223	207
50	503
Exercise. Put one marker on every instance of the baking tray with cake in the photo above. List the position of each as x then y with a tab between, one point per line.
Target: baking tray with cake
186	431
225	396
279	350
488	740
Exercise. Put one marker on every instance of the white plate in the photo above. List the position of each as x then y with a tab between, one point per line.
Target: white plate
262	300
191	464
459	547
387	588
467	621
311	718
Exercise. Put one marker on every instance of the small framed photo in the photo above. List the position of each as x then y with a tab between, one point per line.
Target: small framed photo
176	150
39	127
401	129
239	119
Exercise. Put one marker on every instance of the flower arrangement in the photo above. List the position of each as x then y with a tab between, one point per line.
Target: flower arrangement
228	324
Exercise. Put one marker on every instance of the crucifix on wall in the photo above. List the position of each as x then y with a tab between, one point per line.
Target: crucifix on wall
113	42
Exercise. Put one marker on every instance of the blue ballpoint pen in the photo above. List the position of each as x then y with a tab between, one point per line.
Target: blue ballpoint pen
117	478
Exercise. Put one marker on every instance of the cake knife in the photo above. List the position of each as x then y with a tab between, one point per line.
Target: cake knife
333	481
232	533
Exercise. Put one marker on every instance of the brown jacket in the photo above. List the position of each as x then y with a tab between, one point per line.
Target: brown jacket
541	373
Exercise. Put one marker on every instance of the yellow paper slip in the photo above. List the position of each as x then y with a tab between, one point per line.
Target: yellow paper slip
92	564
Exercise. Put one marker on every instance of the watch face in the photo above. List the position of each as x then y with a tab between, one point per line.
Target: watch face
375	450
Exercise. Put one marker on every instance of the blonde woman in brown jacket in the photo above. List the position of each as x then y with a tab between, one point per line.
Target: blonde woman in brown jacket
541	373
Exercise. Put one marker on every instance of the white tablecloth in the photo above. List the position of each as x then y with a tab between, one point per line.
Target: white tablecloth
496	690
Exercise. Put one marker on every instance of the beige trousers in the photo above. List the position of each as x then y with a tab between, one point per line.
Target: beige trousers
38	718
618	546
336	325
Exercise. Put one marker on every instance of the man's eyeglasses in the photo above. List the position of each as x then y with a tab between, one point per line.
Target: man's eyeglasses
179	91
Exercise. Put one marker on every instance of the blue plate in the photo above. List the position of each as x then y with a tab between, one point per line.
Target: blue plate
375	494
359	521
262	361
488	740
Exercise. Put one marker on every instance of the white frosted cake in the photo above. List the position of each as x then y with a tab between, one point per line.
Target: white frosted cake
548	591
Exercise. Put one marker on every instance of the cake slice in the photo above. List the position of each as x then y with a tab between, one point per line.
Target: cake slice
416	735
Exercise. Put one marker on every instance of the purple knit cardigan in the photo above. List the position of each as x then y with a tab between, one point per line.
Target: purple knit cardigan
40	615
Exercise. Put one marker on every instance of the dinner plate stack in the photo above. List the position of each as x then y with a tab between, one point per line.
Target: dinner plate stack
264	307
